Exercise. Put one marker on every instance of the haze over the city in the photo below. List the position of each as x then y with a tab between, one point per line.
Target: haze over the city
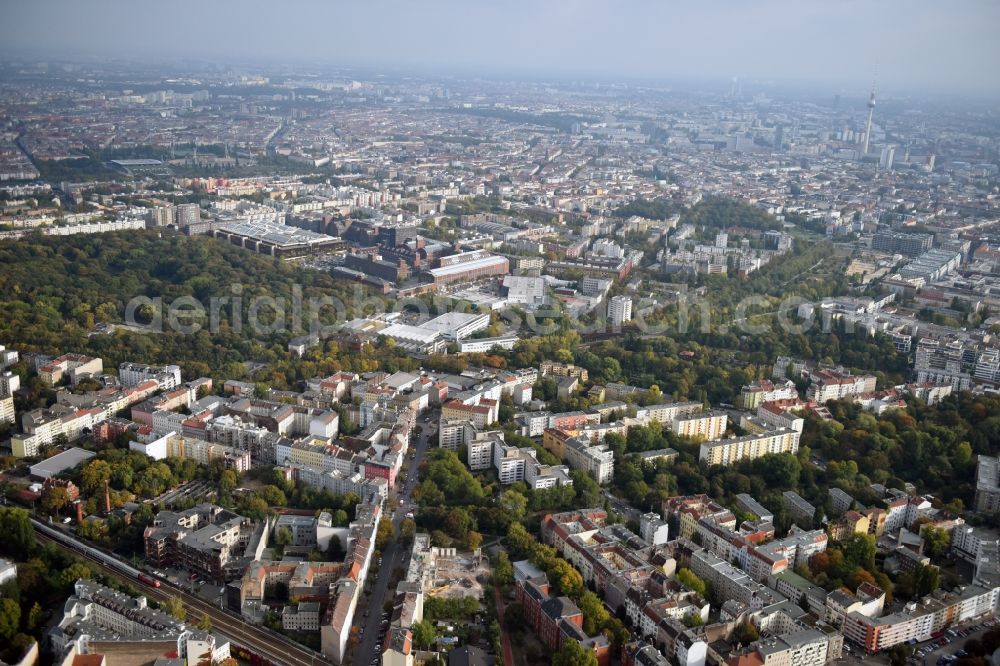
512	333
902	45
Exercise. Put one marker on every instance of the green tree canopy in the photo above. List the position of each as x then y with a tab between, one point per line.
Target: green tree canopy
574	654
10	618
689	579
174	606
424	634
18	534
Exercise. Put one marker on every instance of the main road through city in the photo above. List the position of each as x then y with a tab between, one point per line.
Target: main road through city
369	649
275	647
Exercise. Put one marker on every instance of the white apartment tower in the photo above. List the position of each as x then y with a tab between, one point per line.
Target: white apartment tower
619	310
9	382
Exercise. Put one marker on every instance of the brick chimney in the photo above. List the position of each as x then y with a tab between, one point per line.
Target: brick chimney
107	499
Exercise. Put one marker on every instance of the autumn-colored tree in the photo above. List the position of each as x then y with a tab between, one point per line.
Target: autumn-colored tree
407	530
93	476
859	576
54	498
595	613
384	533
747	633
566	579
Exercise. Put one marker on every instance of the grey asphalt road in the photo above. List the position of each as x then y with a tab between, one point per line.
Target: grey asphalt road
369	648
621	506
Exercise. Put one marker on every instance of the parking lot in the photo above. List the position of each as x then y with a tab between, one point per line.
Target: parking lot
930	652
192	583
855	659
383	628
949	644
193	491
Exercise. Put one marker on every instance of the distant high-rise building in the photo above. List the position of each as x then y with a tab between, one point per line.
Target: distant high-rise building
188	214
779	137
9	383
721	239
988	484
885	160
162	216
619	310
868	128
396	236
740	141
900	243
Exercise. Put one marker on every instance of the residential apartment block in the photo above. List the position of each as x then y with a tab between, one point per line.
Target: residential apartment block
72	366
749	447
708	426
987	484
100	621
752	395
598	460
557	620
133	374
800	509
690	509
921	620
207	540
836	384
9	383
901	243
482	414
303	616
748	504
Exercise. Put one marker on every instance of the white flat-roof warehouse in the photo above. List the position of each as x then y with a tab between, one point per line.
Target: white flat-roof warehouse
457	325
274	239
522	290
60	462
414	337
469	271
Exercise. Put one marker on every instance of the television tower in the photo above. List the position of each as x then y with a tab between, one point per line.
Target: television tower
868	129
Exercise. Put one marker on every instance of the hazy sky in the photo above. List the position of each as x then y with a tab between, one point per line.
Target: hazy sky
916	44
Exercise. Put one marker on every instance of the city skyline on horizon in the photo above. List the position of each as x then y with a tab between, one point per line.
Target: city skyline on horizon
845	48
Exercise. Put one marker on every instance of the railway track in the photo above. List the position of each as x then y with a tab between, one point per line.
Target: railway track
277	649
